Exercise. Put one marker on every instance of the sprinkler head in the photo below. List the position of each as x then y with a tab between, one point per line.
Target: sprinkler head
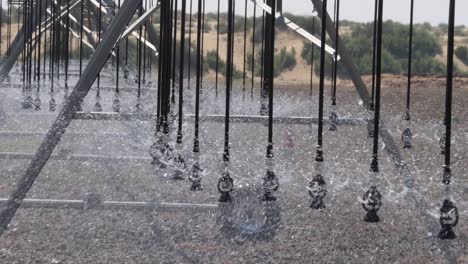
270	185
372	202
270	154
195	177
139	107
317	192
180	165
37	103
98	107
443	144
375	165
27	102
319	154
407	116
447	177
448	220
333	121
370	128
225	187
407	137
179	137
196	145
52	105
263	109
226	155
116	105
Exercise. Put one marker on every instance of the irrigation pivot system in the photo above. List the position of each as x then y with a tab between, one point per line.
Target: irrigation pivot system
157	47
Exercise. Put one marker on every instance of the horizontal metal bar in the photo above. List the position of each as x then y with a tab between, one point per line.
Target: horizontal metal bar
114	116
216	118
41	133
277	120
102	88
207	118
108	205
29	156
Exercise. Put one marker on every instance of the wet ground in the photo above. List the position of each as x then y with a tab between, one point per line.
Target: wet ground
336	234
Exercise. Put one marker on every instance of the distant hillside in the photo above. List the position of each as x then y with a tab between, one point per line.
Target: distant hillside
429	47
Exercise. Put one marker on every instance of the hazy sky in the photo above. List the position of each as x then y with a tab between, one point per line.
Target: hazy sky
433	11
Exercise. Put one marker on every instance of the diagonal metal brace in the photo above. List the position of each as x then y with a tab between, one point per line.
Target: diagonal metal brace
64	119
346	58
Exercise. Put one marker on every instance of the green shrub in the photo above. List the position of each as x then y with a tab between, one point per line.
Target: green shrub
285	60
462	53
211	64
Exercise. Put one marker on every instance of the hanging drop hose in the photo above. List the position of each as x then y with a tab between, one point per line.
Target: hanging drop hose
262	52
196	143
226	183
126	72
189	74
98	106
23	72
319	154
138	106
335	73
181	73
312	57
52	49
253	51
233	31
67	46
217	51
410	58
58	39
1	26
449	216
229	66
116	104
37	60
34	36
165	59
160	77
372	199
448	98
174	53
29	52
195	174
375	150
374	42
81	35
169	61
245	50
8	27
269	69
202	73
144	46
39	41
407	135
270	181
46	18
332	64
